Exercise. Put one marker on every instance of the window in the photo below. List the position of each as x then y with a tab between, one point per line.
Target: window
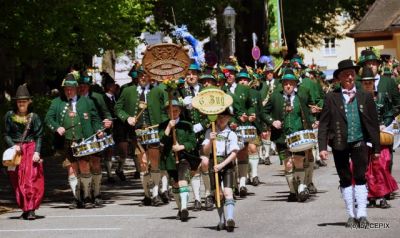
329	47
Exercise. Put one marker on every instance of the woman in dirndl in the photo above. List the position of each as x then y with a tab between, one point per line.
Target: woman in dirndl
26	178
380	182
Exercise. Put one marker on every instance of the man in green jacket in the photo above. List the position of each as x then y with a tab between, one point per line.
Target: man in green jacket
84	90
149	99
288	112
74	118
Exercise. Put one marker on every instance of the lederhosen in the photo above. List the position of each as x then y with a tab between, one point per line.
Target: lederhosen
226	174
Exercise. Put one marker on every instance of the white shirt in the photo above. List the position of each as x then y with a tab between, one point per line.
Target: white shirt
227	141
111	97
146	91
233	87
347	97
292	95
196	88
377	79
74	100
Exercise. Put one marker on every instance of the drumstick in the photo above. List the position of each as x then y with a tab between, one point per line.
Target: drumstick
143	106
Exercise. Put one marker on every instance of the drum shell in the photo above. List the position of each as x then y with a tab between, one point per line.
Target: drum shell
386	138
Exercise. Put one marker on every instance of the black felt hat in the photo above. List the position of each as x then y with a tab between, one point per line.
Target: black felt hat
345	64
22	93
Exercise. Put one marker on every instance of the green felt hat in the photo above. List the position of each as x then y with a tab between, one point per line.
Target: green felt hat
69	81
85	78
289	75
243	75
194	67
207	76
230	68
174	102
367	55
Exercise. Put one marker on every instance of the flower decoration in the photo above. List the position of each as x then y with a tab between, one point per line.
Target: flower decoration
19	119
170	83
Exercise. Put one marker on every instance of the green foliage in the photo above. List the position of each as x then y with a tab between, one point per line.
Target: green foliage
57	34
308	22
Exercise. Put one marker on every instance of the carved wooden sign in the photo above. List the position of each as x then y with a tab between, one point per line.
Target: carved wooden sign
166	61
212	101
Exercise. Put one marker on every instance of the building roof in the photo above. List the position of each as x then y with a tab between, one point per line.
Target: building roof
382	17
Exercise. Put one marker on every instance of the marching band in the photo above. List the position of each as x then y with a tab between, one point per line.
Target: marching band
290	108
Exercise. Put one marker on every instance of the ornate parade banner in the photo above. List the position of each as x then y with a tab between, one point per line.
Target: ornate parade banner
212	101
166	61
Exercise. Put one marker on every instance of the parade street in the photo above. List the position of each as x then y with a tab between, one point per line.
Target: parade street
264	213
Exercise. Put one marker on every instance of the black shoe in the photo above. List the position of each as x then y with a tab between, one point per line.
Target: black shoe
316	166
303	195
292	197
156	201
267	161
351	223
146	201
120	174
24	215
110	180
75	204
178	216
322	163
363	222
184	215
136	175
230	225
209	203
312	189
197	206
256	181
280	162
31	215
243	192
384	204
248	181
98	202
221	226
371	204
87	203
261	161
165	197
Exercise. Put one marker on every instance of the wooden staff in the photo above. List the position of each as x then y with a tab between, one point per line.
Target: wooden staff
173	129
214	146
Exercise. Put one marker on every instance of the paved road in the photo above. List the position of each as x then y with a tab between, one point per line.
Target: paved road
265	213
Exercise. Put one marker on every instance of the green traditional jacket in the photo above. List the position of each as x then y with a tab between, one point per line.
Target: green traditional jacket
242	102
275	110
256	102
384	108
14	130
193	115
388	86
265	87
98	100
127	104
316	91
88	120
184	136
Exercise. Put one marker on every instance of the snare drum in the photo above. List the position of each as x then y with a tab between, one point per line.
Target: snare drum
148	135
87	147
246	133
106	142
301	140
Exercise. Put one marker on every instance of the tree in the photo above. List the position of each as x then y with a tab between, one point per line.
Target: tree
40	39
306	23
